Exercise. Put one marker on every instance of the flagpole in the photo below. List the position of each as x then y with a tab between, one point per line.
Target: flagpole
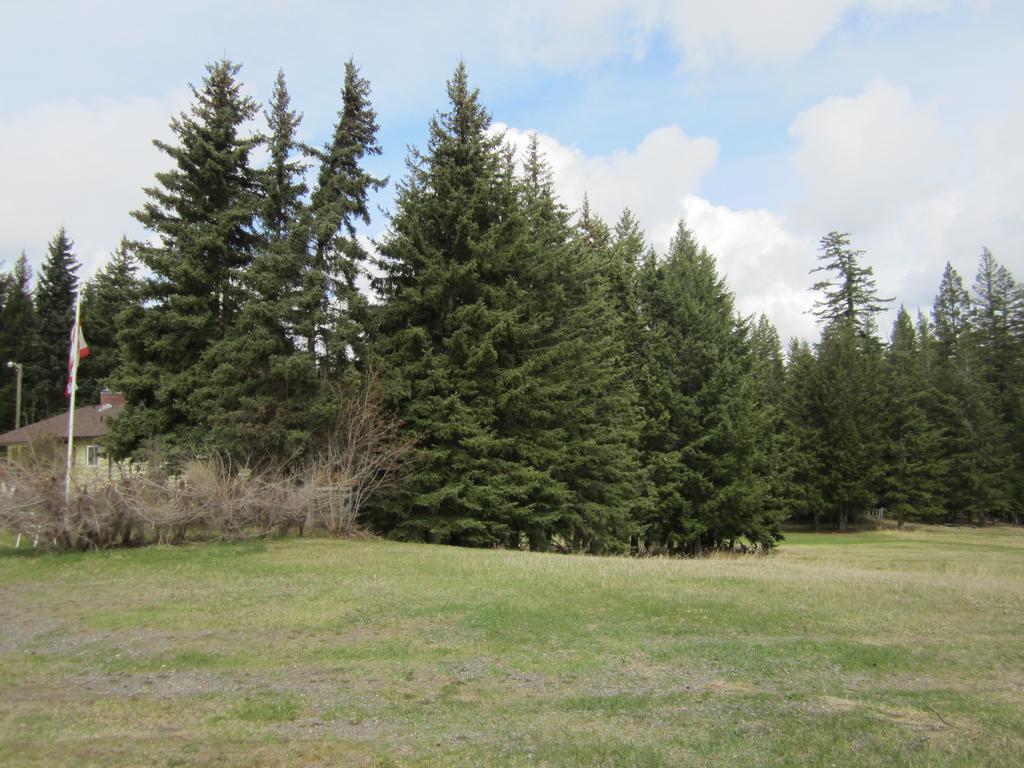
76	333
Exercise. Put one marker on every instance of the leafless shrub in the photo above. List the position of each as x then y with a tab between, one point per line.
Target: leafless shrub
364	452
35	505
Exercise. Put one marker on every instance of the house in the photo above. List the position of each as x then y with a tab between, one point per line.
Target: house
91	423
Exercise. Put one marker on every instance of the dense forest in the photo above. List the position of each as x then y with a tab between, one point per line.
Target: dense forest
568	387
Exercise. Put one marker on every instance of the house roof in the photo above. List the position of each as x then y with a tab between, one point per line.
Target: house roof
90	421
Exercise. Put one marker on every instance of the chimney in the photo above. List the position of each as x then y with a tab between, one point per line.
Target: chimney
111	398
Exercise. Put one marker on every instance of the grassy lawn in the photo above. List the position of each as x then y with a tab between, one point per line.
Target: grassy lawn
886	648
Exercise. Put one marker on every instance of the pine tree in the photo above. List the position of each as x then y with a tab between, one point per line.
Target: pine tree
17	339
847	403
915	469
334	309
702	432
449	318
847	393
603	422
628	249
55	314
996	338
202	211
107	303
804	498
848	287
974	445
951	313
777	451
267	414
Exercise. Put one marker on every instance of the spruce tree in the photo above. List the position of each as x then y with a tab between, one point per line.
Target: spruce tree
804	498
951	313
449	317
334	310
848	287
847	395
974	444
107	302
1000	351
267	414
603	422
627	253
847	403
55	314
702	432
17	342
914	466
992	320
777	450
202	212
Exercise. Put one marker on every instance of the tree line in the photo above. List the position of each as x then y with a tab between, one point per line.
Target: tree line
567	386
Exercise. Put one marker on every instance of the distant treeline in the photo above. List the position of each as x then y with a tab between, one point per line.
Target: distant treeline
569	388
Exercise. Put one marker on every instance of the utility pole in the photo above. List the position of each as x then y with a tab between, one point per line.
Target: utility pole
19	369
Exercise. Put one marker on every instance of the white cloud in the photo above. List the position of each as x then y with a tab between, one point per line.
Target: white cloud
861	156
763	263
580	32
886	168
651	179
80	166
880	164
658	180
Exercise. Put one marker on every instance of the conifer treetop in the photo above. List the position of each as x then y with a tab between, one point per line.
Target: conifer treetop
850	295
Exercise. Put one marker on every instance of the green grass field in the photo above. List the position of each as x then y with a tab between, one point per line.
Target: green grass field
872	649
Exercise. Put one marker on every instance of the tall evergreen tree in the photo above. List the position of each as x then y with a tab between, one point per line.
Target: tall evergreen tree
202	212
951	314
847	394
335	310
55	314
847	404
268	413
629	249
444	331
777	455
17	342
702	431
1000	351
107	301
848	287
974	444
915	468
805	497
603	470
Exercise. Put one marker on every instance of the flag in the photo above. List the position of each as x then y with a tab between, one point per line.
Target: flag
79	350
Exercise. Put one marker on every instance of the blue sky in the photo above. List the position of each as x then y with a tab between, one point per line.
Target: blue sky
763	125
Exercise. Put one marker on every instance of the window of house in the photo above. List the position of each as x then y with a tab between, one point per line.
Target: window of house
93	454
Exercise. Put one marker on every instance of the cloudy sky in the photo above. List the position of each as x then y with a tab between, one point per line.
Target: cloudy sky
763	125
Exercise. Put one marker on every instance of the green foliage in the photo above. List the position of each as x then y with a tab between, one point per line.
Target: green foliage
569	388
266	415
848	287
702	431
969	343
915	467
846	401
333	309
108	302
203	213
803	494
55	314
500	345
445	331
17	339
